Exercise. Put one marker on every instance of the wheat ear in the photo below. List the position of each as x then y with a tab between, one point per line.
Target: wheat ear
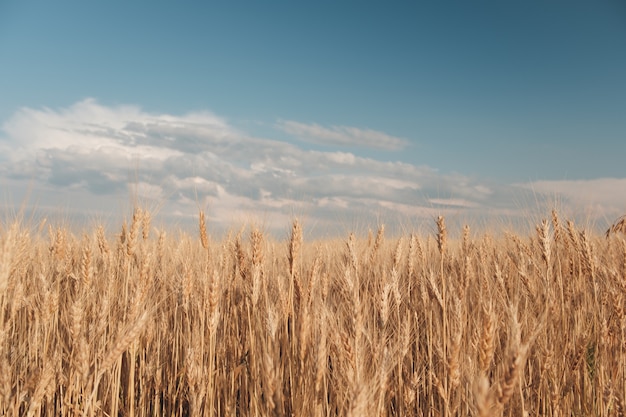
42	386
380	236
134	230
203	236
295	244
123	342
619	226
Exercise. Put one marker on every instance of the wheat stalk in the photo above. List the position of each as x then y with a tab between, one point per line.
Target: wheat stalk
295	243
256	238
619	226
543	233
487	343
442	235
103	245
380	236
556	225
203	235
45	380
80	346
134	230
511	376
123	341
145	225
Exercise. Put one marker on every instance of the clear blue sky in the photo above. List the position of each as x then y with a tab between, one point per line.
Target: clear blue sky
493	92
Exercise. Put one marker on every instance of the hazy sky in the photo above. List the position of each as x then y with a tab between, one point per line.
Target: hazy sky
332	111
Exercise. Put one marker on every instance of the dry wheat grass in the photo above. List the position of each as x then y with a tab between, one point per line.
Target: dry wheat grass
416	325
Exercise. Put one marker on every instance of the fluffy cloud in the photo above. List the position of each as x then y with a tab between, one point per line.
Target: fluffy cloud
91	157
341	135
601	197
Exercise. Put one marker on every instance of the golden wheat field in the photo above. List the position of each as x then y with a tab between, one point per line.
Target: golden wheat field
144	323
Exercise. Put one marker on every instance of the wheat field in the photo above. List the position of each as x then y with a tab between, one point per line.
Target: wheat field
144	323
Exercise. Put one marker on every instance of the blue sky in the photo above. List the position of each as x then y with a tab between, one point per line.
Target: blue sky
326	109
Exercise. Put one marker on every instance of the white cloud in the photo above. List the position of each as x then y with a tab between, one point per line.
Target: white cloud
602	196
341	135
411	211
93	157
452	202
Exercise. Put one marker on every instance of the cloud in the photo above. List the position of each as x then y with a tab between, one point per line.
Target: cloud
341	135
91	157
605	197
452	202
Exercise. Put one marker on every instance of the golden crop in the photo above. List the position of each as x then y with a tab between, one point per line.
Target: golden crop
148	325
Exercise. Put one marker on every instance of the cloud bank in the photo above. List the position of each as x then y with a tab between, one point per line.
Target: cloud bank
89	155
341	136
